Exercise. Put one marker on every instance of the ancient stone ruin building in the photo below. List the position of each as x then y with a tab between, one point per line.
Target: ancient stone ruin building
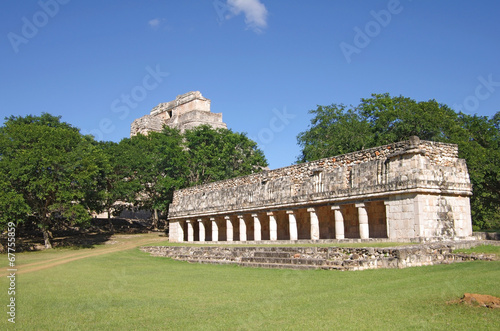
410	190
185	112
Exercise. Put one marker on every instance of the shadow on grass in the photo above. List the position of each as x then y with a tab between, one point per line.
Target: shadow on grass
30	238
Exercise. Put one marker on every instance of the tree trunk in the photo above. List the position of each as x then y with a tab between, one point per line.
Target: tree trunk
111	227
155	219
46	238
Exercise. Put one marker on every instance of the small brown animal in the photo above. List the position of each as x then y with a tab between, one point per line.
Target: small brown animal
296	256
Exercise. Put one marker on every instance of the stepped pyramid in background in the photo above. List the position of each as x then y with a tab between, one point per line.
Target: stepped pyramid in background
185	112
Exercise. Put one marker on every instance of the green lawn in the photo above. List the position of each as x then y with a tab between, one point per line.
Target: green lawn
130	290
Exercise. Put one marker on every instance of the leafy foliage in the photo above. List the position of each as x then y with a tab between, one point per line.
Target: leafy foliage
156	166
382	119
334	130
217	154
479	144
46	168
113	182
398	118
51	173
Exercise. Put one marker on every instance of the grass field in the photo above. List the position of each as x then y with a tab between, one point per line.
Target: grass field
118	287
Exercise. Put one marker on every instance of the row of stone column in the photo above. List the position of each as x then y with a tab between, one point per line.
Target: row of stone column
273	227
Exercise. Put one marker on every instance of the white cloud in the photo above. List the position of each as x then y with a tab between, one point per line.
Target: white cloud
255	13
155	23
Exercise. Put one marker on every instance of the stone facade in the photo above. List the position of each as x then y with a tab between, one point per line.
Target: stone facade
410	190
187	111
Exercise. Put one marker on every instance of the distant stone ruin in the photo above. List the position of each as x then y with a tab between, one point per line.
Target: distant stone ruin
410	190
187	111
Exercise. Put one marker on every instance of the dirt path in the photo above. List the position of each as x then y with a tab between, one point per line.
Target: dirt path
117	246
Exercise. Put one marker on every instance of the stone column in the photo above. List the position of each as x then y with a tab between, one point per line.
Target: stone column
273	226
418	212
201	227
339	223
229	228
190	231
215	230
364	232
257	228
388	222
314	224
243	228
292	222
180	231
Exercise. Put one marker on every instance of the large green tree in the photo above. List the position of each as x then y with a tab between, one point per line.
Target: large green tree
114	182
52	174
398	118
217	154
334	130
479	145
46	169
161	162
155	166
383	119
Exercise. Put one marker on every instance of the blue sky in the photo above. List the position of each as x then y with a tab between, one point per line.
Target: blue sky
263	63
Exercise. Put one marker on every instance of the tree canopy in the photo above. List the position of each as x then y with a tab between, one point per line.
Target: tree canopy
382	119
217	154
155	167
46	169
159	163
51	174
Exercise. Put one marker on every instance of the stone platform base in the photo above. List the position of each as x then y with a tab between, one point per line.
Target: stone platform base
487	235
328	258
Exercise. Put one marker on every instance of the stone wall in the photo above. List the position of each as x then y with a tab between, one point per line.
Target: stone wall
182	104
145	124
190	120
